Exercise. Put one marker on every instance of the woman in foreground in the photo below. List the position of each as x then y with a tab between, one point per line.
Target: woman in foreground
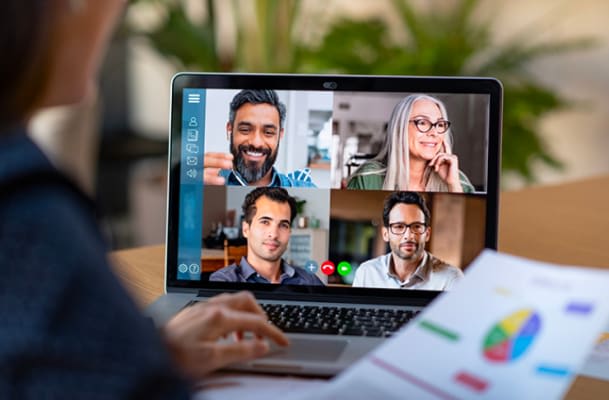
68	329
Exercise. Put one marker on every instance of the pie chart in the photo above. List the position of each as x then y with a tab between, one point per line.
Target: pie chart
510	338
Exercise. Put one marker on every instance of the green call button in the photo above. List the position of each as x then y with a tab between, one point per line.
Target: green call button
344	268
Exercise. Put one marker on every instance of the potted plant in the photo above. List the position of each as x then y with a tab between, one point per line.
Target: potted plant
445	40
302	221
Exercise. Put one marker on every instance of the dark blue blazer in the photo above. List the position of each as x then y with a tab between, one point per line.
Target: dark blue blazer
67	327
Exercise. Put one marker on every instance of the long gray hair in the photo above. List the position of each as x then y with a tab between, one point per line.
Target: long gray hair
395	153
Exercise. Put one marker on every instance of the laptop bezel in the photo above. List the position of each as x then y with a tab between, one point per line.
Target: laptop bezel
335	83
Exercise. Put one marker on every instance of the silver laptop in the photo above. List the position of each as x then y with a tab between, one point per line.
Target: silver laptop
323	143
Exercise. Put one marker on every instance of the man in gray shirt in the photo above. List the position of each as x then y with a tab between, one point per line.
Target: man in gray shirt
406	221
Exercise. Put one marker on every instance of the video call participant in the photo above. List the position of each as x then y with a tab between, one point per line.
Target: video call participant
254	129
268	215
406	221
416	153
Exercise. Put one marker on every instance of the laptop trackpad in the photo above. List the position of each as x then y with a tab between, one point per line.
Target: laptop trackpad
309	350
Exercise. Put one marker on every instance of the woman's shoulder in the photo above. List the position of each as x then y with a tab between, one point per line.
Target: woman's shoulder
50	221
466	183
53	255
370	175
40	207
372	166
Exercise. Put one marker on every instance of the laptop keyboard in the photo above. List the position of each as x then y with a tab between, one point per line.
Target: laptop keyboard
337	320
348	321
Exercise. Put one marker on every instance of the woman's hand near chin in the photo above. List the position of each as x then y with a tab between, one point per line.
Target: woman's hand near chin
447	167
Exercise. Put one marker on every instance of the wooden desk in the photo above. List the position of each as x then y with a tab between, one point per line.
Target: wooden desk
567	224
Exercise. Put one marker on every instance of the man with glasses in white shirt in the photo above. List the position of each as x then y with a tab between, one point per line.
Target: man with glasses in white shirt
406	227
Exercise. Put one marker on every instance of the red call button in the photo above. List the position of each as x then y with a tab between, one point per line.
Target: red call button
327	267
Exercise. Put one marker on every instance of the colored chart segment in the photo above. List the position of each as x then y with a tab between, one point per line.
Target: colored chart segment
472	381
512	336
439	330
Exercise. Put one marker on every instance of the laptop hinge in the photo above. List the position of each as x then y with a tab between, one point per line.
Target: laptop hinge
325	298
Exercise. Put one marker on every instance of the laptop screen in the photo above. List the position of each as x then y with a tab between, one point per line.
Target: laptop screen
326	184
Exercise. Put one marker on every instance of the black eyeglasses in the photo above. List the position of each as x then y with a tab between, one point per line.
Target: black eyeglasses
424	125
398	228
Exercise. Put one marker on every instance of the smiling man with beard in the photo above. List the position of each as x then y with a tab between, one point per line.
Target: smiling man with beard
406	221
254	129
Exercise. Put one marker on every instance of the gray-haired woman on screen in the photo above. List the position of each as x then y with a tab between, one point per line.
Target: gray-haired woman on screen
417	152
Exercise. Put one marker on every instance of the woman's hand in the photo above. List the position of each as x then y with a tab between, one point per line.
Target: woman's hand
192	335
447	167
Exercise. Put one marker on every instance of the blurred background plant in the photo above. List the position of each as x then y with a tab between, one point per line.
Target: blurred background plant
186	32
446	38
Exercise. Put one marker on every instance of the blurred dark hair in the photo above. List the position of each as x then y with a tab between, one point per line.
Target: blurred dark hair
276	194
404	198
253	96
26	47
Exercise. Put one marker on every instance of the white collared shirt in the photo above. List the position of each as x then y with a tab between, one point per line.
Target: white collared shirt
376	273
